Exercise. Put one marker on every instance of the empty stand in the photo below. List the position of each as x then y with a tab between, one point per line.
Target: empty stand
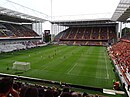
86	35
14	30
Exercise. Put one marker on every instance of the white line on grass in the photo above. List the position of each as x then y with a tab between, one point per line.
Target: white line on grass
45	68
85	76
88	50
106	66
72	68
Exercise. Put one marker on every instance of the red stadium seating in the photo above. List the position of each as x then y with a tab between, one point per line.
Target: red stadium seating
120	53
13	30
86	36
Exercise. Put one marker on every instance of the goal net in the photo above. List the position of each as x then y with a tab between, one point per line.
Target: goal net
21	66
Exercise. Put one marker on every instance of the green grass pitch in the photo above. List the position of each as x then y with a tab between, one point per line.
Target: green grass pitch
82	65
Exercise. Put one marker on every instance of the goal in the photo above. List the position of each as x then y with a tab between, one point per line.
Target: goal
21	65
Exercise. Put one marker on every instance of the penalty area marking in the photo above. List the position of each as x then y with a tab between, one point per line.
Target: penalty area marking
88	50
72	68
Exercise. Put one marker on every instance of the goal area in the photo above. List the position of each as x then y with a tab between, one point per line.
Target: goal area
21	66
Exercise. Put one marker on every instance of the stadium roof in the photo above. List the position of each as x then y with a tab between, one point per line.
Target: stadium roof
85	22
18	17
122	12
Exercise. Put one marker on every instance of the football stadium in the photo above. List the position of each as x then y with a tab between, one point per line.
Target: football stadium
75	58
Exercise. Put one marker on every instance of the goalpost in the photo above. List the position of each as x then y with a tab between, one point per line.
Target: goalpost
21	65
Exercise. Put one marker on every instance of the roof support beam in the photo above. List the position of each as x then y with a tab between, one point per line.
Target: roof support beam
122	11
15	15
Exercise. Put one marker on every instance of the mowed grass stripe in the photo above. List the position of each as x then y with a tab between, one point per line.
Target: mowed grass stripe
83	65
87	69
60	61
52	71
101	70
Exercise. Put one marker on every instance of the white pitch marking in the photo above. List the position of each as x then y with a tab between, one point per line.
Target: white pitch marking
72	68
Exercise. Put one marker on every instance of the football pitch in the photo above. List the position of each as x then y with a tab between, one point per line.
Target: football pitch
81	65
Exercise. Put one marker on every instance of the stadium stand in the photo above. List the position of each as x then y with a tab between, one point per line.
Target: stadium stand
26	89
86	36
20	37
11	47
8	47
15	30
120	54
5	32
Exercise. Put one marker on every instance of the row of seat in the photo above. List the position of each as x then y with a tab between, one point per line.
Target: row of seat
120	53
5	47
93	34
83	43
14	30
11	47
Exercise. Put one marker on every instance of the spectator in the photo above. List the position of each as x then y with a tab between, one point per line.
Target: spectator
31	92
65	94
23	91
74	94
85	95
6	87
41	91
65	89
49	93
16	87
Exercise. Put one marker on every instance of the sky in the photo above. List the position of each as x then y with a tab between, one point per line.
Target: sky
67	8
